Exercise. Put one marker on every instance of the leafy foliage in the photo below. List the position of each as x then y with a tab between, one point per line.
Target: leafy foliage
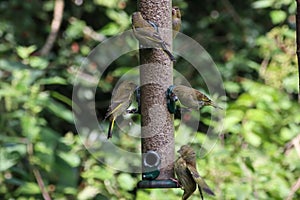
253	45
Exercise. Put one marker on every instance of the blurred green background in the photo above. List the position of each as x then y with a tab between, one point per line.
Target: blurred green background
253	44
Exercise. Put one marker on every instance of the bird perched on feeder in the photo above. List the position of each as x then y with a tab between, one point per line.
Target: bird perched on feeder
176	20
146	32
187	174
191	98
121	100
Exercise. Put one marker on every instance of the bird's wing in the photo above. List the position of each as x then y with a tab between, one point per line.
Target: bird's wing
150	34
113	108
199	180
123	100
157	36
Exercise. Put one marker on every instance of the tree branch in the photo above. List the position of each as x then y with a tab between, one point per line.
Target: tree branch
294	189
55	25
295	142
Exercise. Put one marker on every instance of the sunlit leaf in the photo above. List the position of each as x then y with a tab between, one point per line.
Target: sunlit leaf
262	4
24	52
29	188
278	16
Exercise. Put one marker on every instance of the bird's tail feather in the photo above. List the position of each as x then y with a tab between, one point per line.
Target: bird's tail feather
201	194
110	128
208	191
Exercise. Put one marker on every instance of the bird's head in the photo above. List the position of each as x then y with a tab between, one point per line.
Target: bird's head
136	17
187	153
176	12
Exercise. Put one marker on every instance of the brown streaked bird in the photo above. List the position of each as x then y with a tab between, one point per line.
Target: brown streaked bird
146	32
121	100
176	20
187	174
191	97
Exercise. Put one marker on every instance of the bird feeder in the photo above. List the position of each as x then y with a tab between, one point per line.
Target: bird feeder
156	75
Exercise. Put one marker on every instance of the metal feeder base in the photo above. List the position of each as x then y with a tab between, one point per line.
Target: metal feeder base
157	184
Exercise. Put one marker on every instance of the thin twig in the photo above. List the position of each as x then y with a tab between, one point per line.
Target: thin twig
294	189
93	34
55	25
295	142
263	66
229	7
37	174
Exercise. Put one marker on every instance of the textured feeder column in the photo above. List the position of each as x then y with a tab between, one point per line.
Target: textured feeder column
156	75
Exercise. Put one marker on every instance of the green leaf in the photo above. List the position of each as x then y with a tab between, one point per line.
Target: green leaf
60	111
88	192
75	30
233	118
252	138
71	158
126	181
231	86
107	3
110	29
259	116
119	17
30	127
29	188
262	4
11	66
98	172
278	16
287	134
248	163
242	191
38	62
7	161
245	99
24	52
53	81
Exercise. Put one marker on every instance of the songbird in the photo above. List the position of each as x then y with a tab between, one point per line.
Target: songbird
146	32
176	20
191	98
121	100
187	174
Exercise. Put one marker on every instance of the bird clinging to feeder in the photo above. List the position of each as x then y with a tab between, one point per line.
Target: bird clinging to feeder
187	174
147	34
176	20
121	100
191	97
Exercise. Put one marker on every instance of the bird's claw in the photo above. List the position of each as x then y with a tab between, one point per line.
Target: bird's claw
177	182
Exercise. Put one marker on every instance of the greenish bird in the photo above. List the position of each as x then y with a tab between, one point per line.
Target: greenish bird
187	174
176	20
121	100
146	32
191	97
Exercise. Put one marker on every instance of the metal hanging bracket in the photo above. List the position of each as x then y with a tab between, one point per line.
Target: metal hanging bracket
171	99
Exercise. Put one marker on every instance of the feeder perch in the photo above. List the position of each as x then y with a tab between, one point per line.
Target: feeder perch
158	184
138	98
171	99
